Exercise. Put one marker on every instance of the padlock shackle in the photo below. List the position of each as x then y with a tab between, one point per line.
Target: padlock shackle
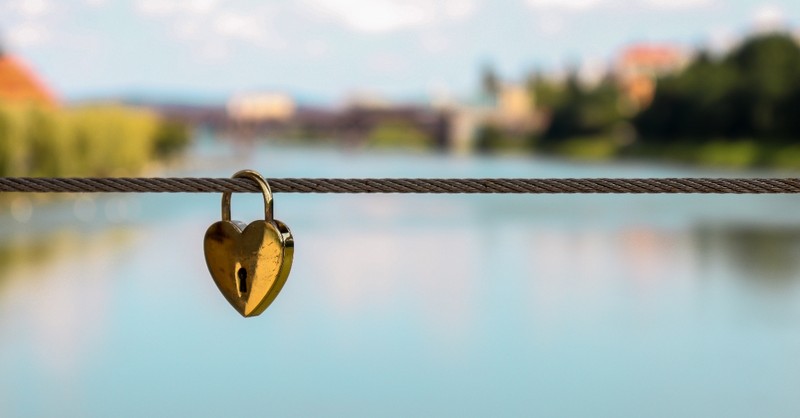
266	191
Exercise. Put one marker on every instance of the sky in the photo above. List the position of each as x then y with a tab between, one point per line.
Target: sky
324	50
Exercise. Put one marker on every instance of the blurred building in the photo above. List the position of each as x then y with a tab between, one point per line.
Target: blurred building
19	84
639	66
260	107
515	107
512	110
466	121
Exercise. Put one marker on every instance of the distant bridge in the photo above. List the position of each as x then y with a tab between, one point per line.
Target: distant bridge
352	126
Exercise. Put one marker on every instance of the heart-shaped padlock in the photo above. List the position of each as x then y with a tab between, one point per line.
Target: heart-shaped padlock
249	264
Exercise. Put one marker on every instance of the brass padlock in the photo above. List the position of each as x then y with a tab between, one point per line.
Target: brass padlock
249	264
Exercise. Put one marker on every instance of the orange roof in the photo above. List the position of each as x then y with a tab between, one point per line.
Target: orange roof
19	84
652	56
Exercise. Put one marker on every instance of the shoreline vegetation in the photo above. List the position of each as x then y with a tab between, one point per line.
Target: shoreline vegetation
733	110
738	110
96	140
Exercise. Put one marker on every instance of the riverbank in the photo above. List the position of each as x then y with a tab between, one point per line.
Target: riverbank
98	140
724	154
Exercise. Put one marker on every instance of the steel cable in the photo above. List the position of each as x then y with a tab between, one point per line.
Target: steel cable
408	185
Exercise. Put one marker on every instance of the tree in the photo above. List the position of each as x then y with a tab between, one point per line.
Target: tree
750	93
582	111
548	93
490	82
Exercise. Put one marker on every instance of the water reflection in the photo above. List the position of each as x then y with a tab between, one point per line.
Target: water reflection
20	252
56	293
409	305
766	255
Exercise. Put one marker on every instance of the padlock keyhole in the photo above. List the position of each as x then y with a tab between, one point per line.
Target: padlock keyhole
242	273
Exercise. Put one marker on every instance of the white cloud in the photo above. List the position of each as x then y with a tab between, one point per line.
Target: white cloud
27	34
678	4
172	7
155	7
567	5
211	24
459	9
391	15
374	16
769	17
239	26
26	23
32	8
588	5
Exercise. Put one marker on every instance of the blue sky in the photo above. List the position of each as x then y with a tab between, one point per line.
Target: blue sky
329	48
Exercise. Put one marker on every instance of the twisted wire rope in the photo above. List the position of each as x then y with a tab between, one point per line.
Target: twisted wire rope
405	185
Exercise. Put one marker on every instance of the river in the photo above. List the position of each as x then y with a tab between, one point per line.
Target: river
407	305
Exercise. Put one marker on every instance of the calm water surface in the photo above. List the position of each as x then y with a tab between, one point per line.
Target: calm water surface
617	306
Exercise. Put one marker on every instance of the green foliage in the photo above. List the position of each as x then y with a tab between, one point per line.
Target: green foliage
114	139
722	152
548	93
787	158
581	111
487	138
753	92
398	134
12	148
171	137
491	139
740	154
96	140
739	110
593	148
